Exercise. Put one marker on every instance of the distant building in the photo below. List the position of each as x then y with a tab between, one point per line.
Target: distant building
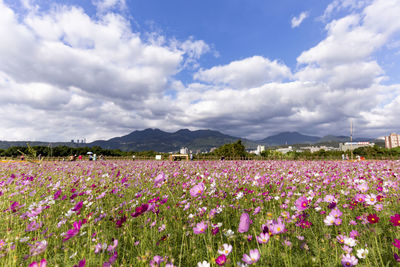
393	140
285	150
184	151
313	149
353	145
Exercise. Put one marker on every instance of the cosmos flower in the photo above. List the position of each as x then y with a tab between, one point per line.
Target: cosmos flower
373	218
396	243
42	263
200	228
203	264
349	260
301	203
395	220
329	220
253	256
225	250
263	238
370	199
244	223
197	190
362	253
221	260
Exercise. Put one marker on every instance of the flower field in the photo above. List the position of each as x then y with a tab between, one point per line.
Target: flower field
201	213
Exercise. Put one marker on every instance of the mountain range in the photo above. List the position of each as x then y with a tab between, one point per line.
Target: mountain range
200	140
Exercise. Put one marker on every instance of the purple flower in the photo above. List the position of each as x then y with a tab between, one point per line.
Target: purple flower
33	226
244	223
200	228
253	257
113	247
159	179
78	207
38	248
349	260
57	194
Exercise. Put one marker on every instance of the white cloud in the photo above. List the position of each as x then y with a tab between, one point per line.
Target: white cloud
66	75
246	73
296	21
106	5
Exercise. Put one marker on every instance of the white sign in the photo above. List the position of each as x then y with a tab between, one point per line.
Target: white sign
158	157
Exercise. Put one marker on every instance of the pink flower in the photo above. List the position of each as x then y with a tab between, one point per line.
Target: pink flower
197	190
301	203
349	260
336	213
278	227
263	238
253	257
244	223
396	243
200	228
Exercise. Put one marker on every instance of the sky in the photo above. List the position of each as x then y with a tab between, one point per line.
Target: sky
98	69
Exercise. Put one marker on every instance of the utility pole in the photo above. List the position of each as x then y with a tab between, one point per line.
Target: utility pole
351	139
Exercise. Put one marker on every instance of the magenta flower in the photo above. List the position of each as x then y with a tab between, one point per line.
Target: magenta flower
57	194
221	260
140	210
78	207
244	223
395	220
253	257
73	232
43	263
81	263
349	260
301	203
396	243
200	228
197	190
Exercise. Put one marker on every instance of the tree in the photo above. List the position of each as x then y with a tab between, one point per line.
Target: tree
234	150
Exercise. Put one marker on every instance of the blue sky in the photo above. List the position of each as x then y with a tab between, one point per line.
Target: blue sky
103	68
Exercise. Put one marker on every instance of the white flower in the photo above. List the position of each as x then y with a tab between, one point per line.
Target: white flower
226	249
73	255
229	233
351	242
362	253
239	195
203	264
241	264
329	220
370	199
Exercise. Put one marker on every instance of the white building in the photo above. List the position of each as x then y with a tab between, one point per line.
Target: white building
353	145
393	140
285	150
184	151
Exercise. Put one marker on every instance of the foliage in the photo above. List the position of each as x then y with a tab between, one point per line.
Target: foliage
233	150
141	213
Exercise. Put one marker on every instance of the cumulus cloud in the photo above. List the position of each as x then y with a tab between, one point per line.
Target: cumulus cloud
246	73
66	75
296	21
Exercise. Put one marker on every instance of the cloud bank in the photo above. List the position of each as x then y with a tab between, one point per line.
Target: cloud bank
66	75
